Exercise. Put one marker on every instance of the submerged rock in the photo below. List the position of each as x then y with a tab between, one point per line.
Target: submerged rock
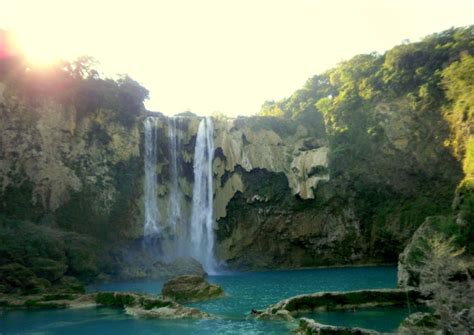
167	312
144	306
310	327
190	288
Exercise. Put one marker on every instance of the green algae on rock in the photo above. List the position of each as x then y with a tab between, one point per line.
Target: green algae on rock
289	308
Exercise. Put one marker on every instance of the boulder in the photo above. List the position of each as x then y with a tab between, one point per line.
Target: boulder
190	288
144	306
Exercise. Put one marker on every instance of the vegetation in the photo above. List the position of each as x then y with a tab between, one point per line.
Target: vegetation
148	304
34	258
378	112
114	299
75	83
431	78
446	279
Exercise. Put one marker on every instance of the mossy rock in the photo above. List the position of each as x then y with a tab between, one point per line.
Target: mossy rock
114	299
148	303
190	288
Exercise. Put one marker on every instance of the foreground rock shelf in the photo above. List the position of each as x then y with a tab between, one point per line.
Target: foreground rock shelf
134	304
290	308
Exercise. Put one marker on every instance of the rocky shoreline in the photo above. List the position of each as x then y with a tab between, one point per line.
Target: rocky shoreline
134	304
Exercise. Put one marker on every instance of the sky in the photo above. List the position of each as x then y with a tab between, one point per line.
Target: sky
225	56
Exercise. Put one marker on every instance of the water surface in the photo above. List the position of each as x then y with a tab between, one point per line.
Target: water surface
383	319
244	291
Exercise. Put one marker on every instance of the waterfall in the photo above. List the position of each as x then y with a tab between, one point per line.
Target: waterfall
202	233
152	214
180	235
175	194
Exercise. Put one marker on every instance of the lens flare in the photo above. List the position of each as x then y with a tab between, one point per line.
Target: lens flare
8	45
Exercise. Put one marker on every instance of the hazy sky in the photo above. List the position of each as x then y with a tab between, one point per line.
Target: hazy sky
223	55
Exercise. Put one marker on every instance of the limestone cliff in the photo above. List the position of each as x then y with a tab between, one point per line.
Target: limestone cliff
72	171
283	197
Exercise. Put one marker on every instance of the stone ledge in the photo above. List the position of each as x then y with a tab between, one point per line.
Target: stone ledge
289	308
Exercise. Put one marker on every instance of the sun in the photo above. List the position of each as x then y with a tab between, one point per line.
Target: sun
38	48
38	52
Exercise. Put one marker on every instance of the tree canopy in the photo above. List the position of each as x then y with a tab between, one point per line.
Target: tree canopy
77	82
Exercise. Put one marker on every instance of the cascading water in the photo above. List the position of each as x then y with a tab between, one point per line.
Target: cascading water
152	214
175	194
202	233
180	236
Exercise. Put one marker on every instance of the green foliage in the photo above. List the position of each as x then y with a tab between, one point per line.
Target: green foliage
282	127
458	80
427	74
114	299
154	303
364	103
17	202
46	252
77	83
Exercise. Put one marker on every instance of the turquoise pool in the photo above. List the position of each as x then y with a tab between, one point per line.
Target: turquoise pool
244	291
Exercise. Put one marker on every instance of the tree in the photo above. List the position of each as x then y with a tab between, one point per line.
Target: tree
445	279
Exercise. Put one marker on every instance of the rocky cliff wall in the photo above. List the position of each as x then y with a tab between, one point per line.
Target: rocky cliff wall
75	172
284	197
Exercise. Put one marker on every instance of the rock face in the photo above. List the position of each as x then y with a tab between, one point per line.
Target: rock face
282	196
277	181
190	288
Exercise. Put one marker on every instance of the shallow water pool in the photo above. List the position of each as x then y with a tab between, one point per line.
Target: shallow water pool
382	319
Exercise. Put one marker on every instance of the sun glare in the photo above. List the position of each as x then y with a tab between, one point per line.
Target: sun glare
38	50
227	56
